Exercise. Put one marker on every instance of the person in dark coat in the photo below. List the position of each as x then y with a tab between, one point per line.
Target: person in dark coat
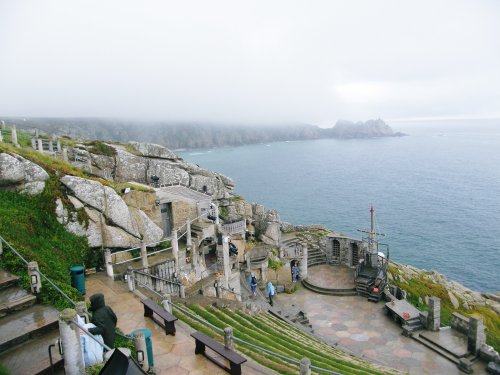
103	318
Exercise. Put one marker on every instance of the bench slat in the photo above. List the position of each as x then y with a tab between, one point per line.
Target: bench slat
151	308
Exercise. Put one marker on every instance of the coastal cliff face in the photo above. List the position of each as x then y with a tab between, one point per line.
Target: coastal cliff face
369	129
140	161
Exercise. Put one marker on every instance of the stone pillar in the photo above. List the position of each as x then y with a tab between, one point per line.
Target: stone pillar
35	279
65	154
3	125
249	262
225	258
189	242
434	317
1	136
303	262
14	135
40	144
167	303
108	262
228	338
218	291
130	278
70	341
58	146
216	212
182	291
175	250
305	366
37	133
475	336
144	255
81	310
33	143
140	347
51	145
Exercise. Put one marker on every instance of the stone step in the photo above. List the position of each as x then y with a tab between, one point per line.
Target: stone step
436	349
456	352
13	299
26	324
7	279
32	357
328	291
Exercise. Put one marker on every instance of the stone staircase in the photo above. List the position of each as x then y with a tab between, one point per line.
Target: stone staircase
315	257
26	330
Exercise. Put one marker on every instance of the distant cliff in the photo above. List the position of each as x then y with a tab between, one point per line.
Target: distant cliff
194	135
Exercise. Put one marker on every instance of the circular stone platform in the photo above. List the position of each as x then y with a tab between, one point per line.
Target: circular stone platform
330	279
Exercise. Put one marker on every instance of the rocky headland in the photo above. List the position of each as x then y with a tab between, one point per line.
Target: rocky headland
91	204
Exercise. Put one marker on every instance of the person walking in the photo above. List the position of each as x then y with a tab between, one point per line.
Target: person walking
104	319
253	283
270	292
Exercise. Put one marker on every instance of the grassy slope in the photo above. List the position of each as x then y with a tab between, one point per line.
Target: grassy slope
421	287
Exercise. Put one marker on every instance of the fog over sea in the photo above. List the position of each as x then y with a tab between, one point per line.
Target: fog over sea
436	192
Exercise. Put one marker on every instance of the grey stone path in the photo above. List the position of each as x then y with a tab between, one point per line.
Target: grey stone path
363	328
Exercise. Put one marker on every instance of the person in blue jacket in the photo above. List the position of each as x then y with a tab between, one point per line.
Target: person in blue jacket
270	292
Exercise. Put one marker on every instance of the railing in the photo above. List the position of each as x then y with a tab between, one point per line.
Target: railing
233	228
40	272
190	222
156	284
113	255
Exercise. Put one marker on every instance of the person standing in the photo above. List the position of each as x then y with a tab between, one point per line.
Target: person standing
295	272
253	283
270	292
104	319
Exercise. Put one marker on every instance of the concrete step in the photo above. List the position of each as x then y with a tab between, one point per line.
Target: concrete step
328	291
13	299
32	357
436	349
7	279
26	324
457	354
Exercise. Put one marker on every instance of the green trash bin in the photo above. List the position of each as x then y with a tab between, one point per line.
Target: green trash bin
78	278
149	343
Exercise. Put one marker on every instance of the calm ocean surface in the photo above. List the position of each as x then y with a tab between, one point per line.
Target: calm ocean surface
436	193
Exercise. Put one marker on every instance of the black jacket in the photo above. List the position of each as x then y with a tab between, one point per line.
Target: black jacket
103	318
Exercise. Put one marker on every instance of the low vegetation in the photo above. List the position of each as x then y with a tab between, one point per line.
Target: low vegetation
419	287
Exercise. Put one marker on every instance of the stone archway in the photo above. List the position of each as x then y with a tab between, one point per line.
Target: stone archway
354	254
335	252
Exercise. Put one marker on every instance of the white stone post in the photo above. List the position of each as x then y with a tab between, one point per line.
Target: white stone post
35	279
144	255
188	233
182	291
228	338
58	146
1	136
33	143
305	366
175	250
81	310
166	302
303	262
40	144
51	145
108	263
130	279
140	346
216	211
225	258
249	261
3	125
65	154
70	341
37	133
14	135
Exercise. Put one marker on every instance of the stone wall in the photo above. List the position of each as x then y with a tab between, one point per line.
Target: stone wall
181	211
460	323
345	254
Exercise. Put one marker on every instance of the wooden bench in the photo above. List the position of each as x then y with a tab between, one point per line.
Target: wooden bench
168	322
234	358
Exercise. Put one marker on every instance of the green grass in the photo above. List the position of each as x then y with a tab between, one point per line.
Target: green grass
29	224
100	148
419	287
272	334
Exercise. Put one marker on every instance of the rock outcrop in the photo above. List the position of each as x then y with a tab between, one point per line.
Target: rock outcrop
111	223
148	160
21	175
368	129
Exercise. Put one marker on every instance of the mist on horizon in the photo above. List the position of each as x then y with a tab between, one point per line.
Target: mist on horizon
226	62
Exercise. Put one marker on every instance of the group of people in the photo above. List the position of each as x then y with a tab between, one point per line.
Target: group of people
270	289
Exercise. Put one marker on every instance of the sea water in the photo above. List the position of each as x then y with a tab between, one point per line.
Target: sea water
436	192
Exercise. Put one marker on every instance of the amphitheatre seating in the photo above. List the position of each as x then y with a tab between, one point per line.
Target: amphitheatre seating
168	323
234	358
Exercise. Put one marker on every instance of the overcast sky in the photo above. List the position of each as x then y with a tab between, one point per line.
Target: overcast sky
250	61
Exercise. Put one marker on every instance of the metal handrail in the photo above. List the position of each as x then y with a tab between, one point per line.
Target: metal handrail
158	277
40	272
90	335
